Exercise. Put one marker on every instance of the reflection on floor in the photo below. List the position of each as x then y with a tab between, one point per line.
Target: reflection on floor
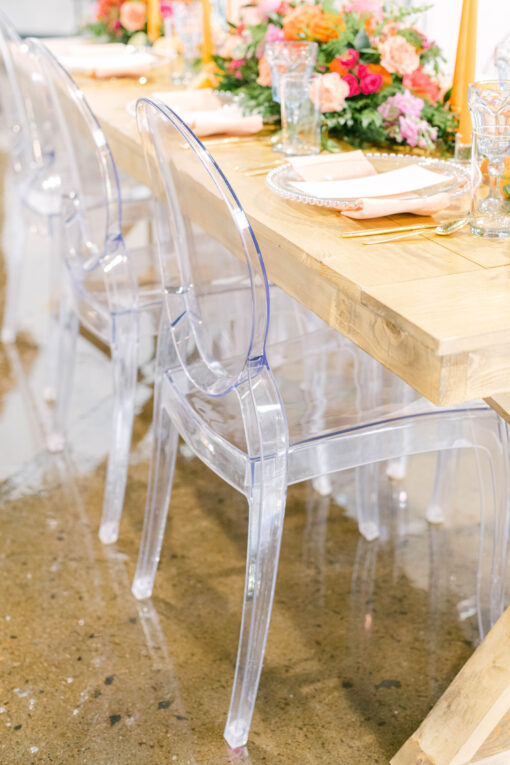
364	637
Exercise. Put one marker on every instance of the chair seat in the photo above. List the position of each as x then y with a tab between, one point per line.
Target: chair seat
318	376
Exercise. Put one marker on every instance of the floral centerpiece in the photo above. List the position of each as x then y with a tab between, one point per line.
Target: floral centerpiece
124	20
381	78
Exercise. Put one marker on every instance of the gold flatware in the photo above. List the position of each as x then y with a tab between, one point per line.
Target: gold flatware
259	166
375	231
443	229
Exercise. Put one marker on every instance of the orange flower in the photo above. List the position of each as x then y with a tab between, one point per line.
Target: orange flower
422	85
309	22
378	69
370	25
336	66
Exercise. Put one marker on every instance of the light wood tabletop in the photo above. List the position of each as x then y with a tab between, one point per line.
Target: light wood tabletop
434	310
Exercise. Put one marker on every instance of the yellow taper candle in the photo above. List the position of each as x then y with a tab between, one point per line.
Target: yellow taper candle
153	20
207	41
465	63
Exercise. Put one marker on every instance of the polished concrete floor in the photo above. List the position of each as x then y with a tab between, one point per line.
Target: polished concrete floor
364	636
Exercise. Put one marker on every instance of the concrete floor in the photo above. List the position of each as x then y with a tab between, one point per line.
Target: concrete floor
364	636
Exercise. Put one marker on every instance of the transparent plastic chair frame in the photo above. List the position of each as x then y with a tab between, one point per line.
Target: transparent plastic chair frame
93	252
269	464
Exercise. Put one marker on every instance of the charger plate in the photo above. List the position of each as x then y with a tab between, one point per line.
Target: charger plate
280	179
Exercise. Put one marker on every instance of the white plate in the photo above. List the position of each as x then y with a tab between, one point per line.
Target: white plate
281	180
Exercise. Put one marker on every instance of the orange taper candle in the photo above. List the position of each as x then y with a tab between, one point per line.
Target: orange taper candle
207	41
465	63
153	20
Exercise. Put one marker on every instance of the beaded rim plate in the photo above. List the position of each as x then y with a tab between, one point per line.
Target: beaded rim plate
279	180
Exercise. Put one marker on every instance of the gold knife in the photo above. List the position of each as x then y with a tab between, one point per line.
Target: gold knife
394	230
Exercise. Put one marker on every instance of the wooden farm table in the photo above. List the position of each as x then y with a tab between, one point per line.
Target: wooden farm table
436	311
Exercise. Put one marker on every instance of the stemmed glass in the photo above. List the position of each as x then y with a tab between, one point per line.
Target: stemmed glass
489	104
289	57
187	20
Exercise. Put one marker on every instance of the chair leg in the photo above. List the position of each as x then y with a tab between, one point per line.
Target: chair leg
57	276
367	500
158	498
267	508
66	353
15	245
494	532
124	351
444	482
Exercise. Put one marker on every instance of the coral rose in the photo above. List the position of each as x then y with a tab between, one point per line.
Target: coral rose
133	15
334	91
422	85
398	56
264	77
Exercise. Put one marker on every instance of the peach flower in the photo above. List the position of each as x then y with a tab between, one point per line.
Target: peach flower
398	56
264	77
333	94
133	15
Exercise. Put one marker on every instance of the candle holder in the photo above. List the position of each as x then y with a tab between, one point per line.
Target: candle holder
462	149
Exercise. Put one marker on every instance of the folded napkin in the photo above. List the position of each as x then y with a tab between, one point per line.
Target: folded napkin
229	120
109	60
378	207
333	167
351	176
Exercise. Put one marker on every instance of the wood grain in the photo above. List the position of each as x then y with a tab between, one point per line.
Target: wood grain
434	310
470	708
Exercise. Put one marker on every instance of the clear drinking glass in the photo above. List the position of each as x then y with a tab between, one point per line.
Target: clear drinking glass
489	103
187	21
289	57
301	113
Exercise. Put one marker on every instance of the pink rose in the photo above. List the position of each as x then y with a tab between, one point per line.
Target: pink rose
333	94
265	7
264	77
370	7
274	33
350	58
352	84
371	83
398	56
133	15
166	9
231	45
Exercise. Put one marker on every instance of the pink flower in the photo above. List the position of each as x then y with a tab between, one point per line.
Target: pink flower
371	83
264	77
231	45
409	129
235	64
133	15
398	56
370	7
265	7
350	58
274	33
353	85
166	9
333	93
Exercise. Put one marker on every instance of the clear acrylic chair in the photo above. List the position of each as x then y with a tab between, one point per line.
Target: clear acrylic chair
236	397
35	179
107	288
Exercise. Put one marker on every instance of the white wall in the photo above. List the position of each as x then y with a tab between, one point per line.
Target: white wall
45	17
441	24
